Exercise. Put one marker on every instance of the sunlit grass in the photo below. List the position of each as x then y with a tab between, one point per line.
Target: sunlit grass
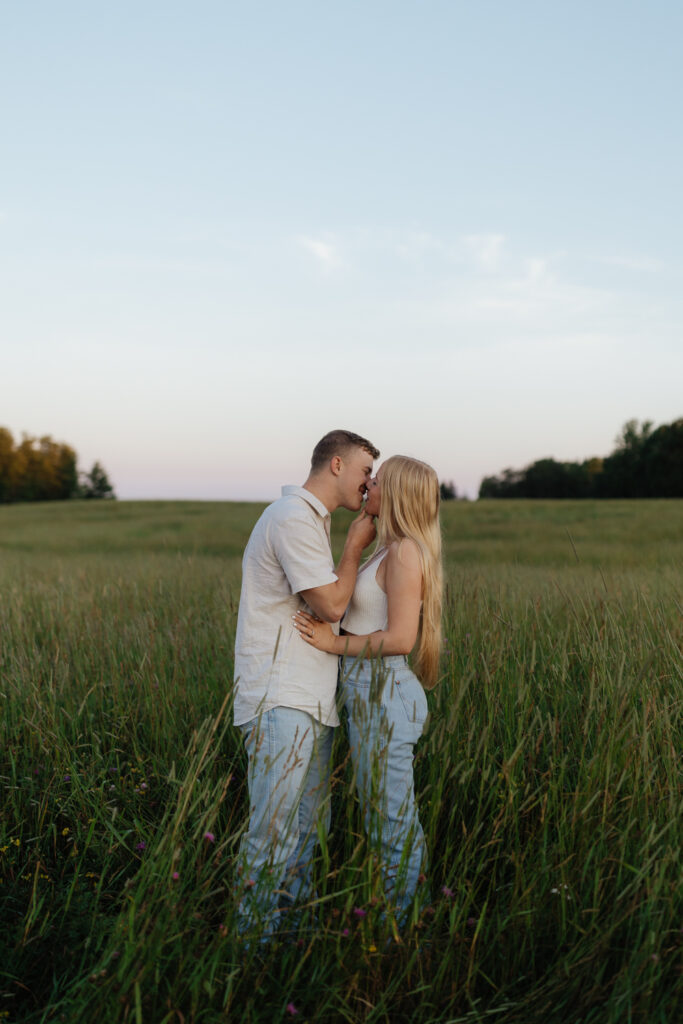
548	780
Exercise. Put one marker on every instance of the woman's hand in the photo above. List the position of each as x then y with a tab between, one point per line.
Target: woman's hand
315	632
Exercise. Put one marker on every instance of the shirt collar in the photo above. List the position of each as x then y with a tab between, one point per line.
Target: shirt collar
314	502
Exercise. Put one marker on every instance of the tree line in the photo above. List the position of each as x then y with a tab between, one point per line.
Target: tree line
645	463
41	469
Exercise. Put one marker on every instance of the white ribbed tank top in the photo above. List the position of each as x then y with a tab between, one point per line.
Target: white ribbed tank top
367	610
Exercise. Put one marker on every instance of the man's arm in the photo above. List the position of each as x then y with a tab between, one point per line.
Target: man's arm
329	602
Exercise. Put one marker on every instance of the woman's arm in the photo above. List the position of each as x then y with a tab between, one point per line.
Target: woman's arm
403	585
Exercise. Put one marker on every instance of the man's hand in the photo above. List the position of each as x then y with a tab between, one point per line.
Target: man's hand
362	530
329	602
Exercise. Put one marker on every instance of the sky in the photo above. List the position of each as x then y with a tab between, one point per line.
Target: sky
226	228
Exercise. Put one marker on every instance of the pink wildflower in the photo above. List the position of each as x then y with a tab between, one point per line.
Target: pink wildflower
175	876
210	837
292	1010
359	912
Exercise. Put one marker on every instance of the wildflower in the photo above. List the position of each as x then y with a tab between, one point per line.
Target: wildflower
421	878
563	891
359	912
655	958
175	876
446	891
345	932
222	930
210	837
142	845
372	949
292	1010
115	955
65	831
67	778
143	785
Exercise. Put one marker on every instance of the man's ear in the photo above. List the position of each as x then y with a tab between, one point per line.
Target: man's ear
336	465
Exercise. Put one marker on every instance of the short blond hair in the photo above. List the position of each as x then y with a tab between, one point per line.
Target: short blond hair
339	442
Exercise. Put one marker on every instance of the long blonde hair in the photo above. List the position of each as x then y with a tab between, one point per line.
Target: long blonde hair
410	508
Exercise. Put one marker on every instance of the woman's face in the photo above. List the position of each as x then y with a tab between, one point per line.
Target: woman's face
374	494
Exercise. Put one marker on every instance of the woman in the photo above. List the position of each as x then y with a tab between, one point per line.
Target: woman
395	610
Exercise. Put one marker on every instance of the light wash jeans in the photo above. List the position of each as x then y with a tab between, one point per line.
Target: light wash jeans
387	710
289	773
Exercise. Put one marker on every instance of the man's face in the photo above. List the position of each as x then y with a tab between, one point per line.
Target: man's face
354	477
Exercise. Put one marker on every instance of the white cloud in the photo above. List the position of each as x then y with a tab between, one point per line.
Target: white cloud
643	264
325	252
486	249
418	244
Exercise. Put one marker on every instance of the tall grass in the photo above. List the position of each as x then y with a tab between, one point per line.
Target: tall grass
548	780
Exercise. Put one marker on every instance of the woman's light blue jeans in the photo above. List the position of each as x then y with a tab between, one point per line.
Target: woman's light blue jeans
289	772
387	710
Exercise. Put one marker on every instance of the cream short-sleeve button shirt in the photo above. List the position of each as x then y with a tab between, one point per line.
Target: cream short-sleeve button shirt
288	551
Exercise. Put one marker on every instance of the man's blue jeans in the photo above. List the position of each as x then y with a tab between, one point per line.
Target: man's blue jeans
289	773
387	710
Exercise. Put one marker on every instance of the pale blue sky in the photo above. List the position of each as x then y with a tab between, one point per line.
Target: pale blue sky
226	228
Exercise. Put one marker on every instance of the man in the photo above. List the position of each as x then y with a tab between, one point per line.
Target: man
285	689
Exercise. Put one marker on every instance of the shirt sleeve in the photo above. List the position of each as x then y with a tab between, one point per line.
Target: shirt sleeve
304	554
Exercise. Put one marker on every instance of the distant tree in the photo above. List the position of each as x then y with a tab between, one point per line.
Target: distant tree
623	471
507	485
7	465
41	469
95	484
644	464
38	469
662	462
447	490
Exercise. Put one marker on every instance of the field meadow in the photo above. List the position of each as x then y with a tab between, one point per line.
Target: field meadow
548	780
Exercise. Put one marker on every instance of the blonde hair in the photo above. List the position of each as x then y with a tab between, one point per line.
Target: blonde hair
410	508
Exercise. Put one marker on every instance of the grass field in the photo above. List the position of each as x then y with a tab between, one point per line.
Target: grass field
548	780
